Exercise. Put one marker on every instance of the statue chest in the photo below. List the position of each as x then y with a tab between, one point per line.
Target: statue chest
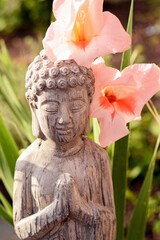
44	177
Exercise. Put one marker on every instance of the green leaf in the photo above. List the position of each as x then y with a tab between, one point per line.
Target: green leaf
8	146
22	118
120	156
126	56
5	55
12	95
5	174
119	172
137	225
6	204
96	130
4	215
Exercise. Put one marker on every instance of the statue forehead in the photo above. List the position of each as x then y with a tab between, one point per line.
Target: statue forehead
69	94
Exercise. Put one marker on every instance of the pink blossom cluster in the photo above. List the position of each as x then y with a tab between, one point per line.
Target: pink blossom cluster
83	32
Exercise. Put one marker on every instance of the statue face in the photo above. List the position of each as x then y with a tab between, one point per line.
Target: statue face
63	114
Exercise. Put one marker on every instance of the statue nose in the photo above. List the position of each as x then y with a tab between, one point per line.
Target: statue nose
65	115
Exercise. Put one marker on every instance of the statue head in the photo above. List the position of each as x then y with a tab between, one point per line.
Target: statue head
59	94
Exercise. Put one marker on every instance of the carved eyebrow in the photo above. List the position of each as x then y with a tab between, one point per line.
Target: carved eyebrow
48	101
77	98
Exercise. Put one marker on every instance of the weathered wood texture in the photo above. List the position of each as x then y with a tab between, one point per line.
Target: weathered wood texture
62	185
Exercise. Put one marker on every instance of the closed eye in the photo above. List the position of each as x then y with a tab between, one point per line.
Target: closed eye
77	105
51	107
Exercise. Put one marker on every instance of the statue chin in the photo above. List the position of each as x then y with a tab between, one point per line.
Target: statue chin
63	138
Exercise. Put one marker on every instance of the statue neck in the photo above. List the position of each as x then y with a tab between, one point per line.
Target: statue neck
62	150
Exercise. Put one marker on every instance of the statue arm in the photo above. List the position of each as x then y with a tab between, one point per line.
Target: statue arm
89	212
108	217
35	226
101	217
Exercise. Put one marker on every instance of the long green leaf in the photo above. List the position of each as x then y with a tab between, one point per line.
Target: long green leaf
119	170
96	130
120	156
5	173
8	146
11	81
137	225
126	56
22	118
6	204
7	67
4	215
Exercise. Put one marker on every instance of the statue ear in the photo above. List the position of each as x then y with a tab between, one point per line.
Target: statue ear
36	130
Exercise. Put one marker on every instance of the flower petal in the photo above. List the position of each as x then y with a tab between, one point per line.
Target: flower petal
53	42
66	10
57	49
84	32
112	128
119	98
138	84
94	16
103	74
112	37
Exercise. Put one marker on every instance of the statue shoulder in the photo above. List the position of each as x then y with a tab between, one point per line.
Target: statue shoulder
96	149
28	155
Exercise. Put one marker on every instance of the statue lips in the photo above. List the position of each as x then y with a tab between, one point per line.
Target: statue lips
64	131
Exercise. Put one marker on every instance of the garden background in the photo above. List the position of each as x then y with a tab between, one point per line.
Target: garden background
22	26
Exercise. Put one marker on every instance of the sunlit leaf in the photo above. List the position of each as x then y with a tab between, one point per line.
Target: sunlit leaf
126	56
137	225
6	204
120	156
5	174
4	215
96	130
8	146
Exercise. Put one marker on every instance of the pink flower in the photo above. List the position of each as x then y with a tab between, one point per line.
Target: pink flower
83	32
120	97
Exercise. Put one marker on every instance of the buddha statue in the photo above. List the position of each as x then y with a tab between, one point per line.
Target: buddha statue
62	184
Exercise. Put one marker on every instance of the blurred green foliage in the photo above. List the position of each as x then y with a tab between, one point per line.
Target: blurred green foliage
24	15
15	125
